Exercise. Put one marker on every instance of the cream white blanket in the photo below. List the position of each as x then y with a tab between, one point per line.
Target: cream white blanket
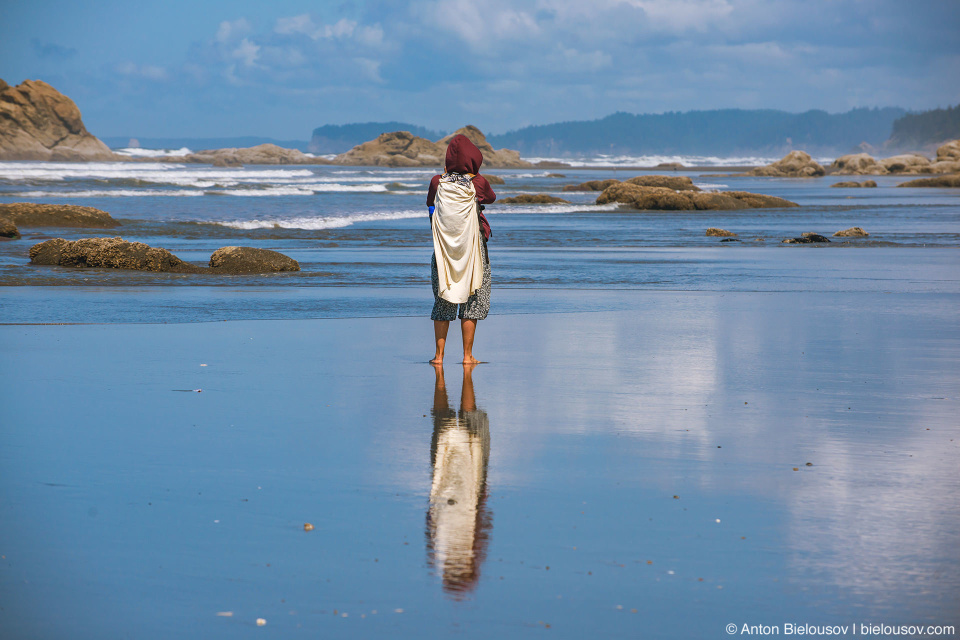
456	239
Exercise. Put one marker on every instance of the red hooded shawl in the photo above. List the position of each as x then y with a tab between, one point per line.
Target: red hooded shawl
464	157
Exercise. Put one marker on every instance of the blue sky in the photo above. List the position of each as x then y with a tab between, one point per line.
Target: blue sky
219	68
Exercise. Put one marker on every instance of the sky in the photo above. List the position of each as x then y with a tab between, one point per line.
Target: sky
229	68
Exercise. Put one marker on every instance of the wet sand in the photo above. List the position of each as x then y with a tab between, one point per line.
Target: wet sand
640	472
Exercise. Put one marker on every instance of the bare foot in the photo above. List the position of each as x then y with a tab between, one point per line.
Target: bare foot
470	360
437	360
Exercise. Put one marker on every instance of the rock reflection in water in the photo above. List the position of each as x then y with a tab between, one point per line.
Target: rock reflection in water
458	524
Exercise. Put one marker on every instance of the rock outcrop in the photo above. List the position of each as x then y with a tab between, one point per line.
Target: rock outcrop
664	199
853	184
109	253
499	158
949	151
862	164
591	185
677	183
251	260
117	253
714	232
492	179
852	232
796	164
950	181
403	149
29	214
37	122
8	229
539	198
260	154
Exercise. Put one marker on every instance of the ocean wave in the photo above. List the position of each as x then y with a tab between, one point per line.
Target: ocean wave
652	161
323	222
552	208
137	152
160	173
105	193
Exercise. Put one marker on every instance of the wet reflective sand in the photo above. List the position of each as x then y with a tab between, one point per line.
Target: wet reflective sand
638	472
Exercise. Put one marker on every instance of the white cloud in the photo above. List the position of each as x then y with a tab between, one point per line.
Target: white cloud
683	15
247	52
232	30
341	29
150	72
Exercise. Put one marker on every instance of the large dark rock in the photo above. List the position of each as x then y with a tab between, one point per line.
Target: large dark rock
539	198
951	181
37	122
807	237
29	214
251	260
664	199
796	164
108	253
8	229
677	183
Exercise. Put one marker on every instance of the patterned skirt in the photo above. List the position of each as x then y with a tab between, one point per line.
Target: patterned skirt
476	307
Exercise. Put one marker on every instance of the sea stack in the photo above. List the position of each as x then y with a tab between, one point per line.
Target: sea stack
37	122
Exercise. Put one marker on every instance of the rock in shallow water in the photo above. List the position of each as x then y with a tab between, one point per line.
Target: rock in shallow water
29	214
950	181
852	232
796	164
8	229
108	253
117	253
664	199
853	184
720	233
251	260
807	237
539	198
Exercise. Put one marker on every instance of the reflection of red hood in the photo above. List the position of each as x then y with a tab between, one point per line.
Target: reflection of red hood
463	156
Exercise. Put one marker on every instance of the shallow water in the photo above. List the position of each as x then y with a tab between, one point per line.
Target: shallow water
639	477
624	469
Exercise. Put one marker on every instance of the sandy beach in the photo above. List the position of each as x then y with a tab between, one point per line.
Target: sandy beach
690	460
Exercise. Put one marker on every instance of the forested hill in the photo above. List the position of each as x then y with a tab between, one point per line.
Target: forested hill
338	138
722	132
926	129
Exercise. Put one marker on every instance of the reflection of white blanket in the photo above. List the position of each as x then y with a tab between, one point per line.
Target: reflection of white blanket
456	241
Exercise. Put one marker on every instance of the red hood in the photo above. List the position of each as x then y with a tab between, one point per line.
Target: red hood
463	156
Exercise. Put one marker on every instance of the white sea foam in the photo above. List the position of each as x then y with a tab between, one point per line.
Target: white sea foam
111	193
653	161
709	186
136	152
324	222
551	208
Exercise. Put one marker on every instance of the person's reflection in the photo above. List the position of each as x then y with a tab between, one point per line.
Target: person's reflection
458	525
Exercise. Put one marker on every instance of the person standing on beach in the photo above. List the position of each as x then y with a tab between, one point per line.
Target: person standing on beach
460	267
